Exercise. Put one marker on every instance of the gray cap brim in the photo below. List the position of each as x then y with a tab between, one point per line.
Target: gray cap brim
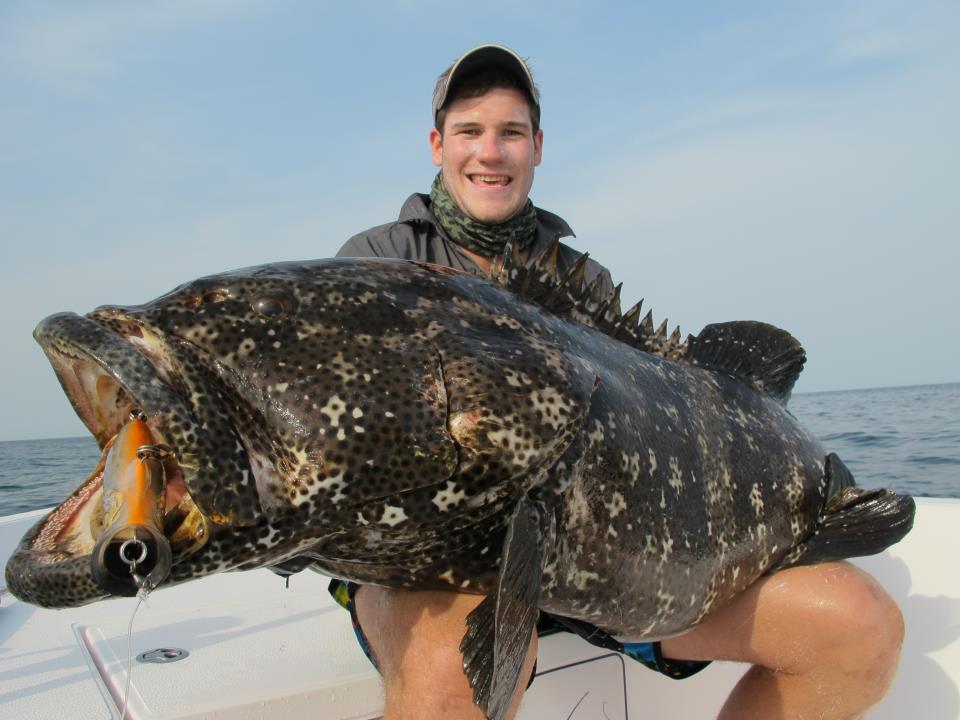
479	57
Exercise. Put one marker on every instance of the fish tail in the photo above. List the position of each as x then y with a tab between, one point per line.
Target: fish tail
854	521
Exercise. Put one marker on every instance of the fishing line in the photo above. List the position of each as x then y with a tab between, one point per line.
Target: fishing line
143	589
141	596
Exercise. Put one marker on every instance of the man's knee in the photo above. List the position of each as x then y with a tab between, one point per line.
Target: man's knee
832	617
867	618
854	633
874	636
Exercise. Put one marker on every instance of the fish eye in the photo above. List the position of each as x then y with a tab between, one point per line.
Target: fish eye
272	305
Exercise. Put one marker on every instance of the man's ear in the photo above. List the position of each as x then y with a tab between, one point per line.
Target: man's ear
538	147
436	147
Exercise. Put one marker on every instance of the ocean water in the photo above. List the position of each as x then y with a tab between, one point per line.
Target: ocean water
902	438
905	438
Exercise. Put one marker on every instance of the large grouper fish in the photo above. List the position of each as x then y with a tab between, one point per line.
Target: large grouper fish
408	425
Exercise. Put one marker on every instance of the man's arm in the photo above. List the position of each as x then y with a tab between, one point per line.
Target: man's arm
393	240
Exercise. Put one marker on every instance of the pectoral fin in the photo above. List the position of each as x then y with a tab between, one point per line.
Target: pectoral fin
499	629
854	521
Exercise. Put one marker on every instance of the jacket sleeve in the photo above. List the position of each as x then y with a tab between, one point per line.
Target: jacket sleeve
393	240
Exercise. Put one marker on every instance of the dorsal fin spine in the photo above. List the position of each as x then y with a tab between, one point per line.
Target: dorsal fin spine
763	355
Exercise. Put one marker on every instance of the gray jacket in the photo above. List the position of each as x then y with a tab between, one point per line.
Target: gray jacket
416	235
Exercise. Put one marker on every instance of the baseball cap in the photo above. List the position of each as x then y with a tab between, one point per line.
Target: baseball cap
479	57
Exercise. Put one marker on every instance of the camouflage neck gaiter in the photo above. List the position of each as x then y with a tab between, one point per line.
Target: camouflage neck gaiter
483	239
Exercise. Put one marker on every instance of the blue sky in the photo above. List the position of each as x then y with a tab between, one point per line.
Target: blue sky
789	162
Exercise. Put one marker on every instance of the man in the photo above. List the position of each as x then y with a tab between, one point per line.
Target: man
823	641
487	142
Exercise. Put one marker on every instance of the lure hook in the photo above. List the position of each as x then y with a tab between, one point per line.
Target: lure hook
154	452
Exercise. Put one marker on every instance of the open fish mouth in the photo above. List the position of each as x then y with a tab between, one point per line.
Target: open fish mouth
134	516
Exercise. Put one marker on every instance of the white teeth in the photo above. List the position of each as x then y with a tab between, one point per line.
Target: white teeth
501	179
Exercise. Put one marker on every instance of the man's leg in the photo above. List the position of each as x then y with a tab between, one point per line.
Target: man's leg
415	638
824	642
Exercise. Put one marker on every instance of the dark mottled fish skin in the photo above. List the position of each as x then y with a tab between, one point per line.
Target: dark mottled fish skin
386	419
690	486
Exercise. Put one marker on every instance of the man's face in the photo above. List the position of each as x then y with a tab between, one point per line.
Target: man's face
487	153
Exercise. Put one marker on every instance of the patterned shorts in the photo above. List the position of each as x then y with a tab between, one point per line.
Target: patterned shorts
647	653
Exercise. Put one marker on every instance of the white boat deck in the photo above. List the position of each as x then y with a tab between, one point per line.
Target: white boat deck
257	649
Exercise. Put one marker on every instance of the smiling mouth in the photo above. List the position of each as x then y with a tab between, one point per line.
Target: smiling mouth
491	180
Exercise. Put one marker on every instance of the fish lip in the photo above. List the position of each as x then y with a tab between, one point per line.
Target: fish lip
115	361
106	377
41	567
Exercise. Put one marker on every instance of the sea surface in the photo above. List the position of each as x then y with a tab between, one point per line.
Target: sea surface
904	438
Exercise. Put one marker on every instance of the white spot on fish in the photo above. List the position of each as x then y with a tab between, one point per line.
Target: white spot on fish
247	346
392	515
448	497
334	410
631	464
665	603
512	378
756	500
676	476
344	369
580	578
596	437
616	505
335	483
506	320
667	544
